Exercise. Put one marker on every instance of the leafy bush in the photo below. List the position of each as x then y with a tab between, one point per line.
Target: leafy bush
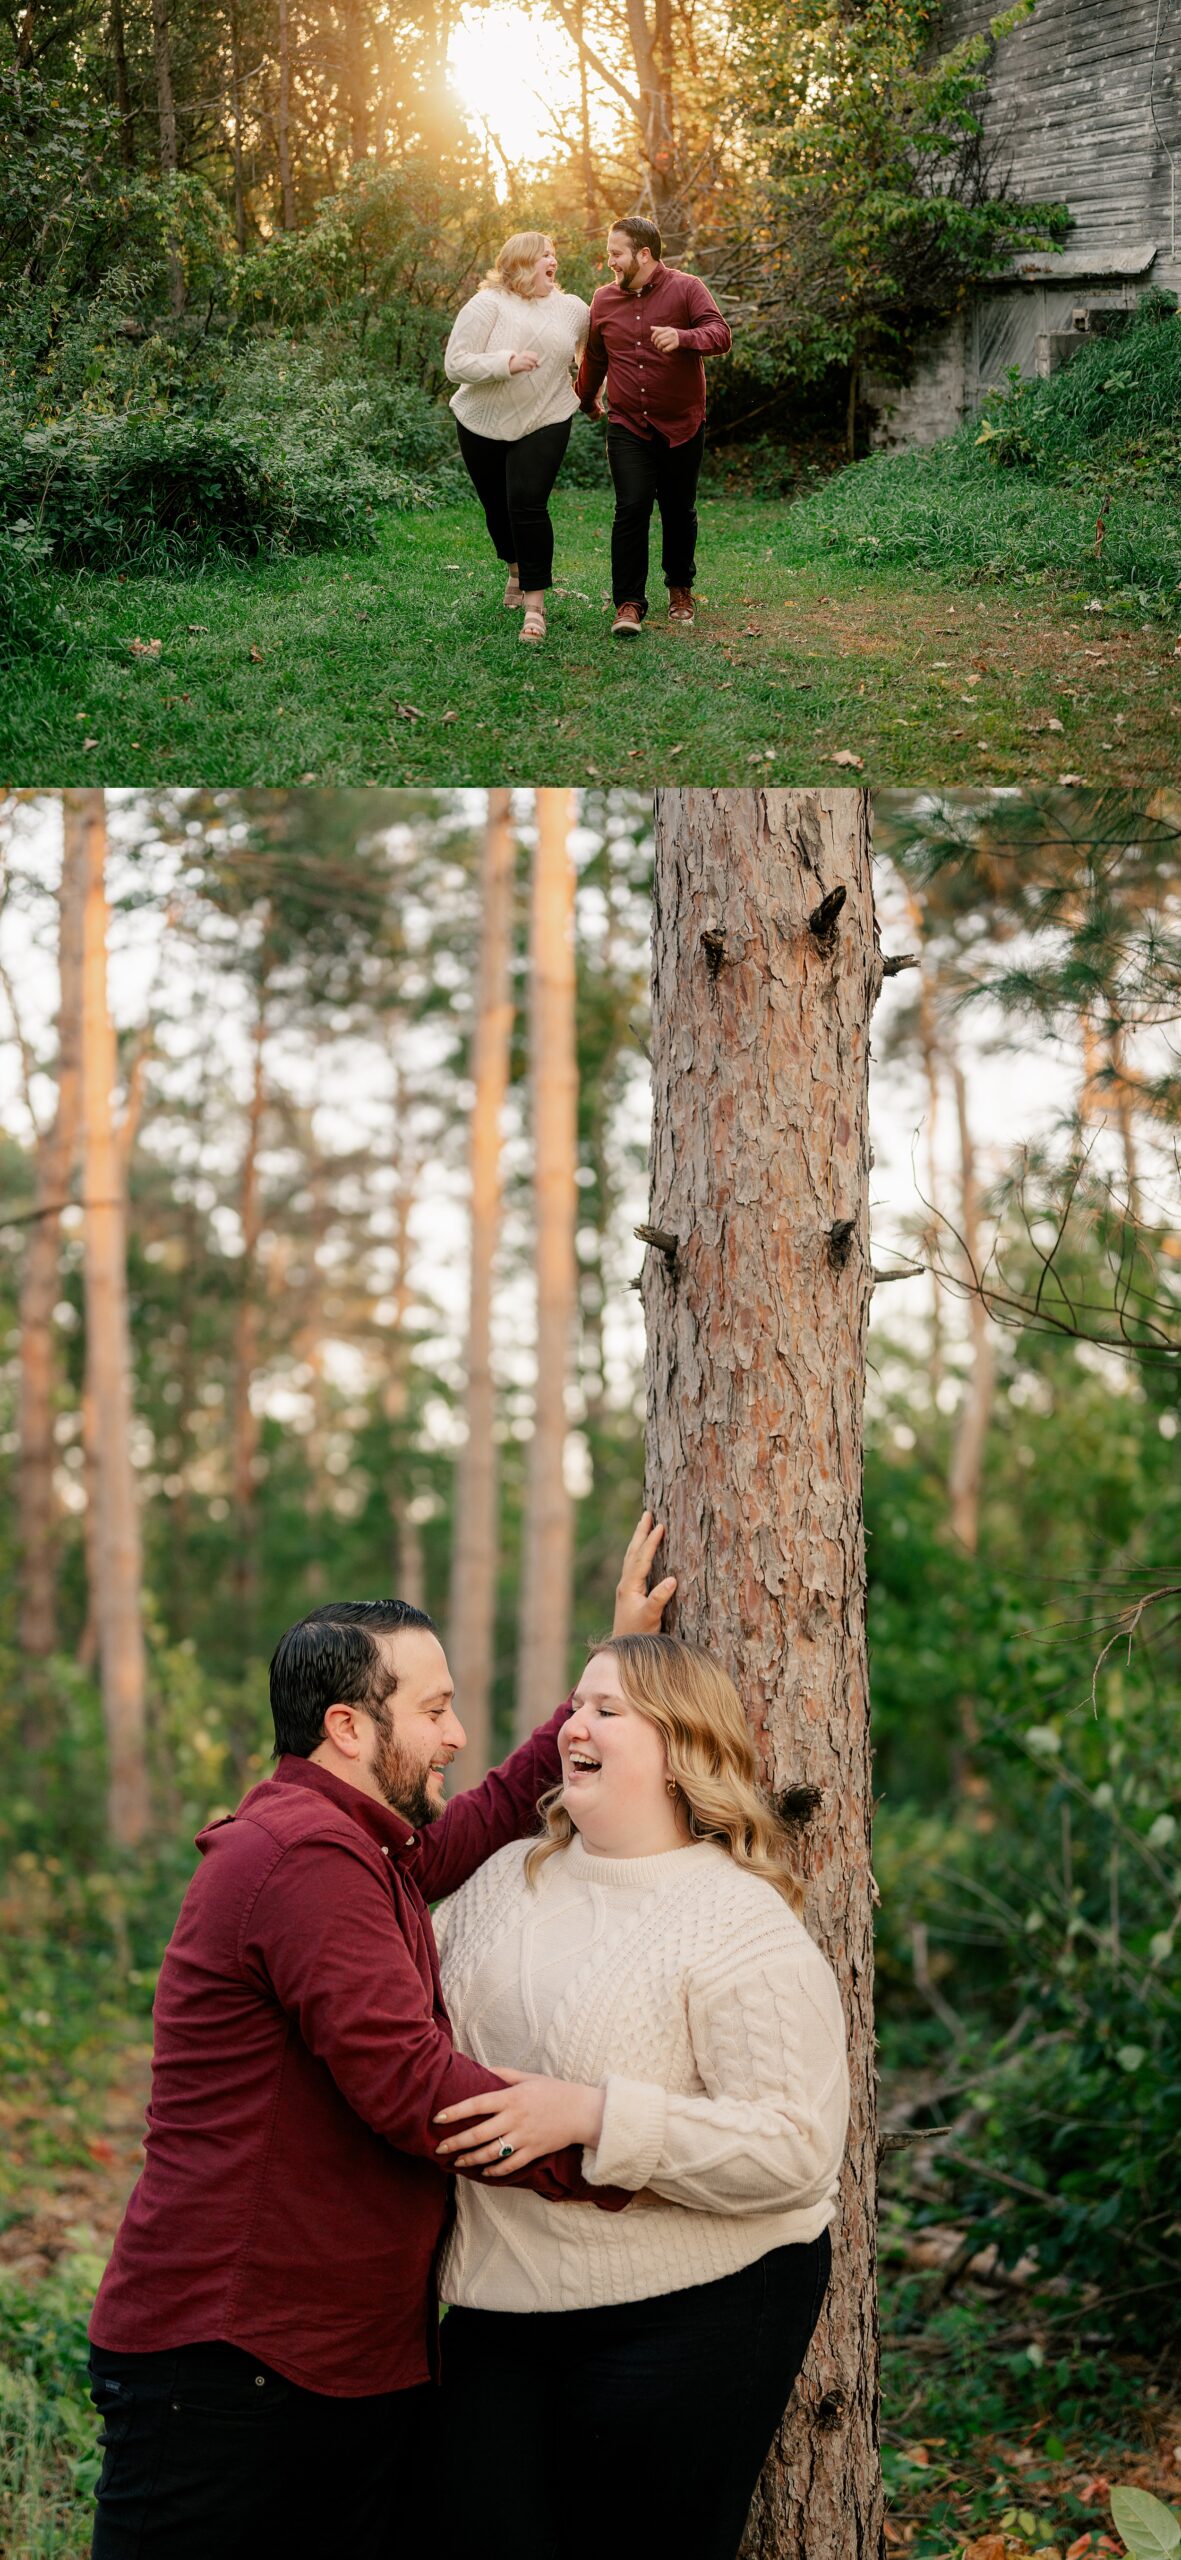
49	2457
1113	412
30	623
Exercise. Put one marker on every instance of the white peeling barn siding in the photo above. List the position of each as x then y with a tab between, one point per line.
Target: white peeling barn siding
1084	104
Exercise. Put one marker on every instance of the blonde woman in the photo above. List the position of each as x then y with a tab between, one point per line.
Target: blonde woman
629	2371
512	352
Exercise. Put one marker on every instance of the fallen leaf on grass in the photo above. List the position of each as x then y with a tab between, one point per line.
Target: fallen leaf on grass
407	711
751	631
1056	725
102	2151
257	656
845	756
1067	779
87	744
448	717
145	648
196	626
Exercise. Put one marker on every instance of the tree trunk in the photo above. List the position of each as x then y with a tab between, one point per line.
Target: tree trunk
474	1548
166	106
756	1294
409	1562
122	86
283	117
236	111
117	1600
244	1423
549	1526
967	1457
39	1279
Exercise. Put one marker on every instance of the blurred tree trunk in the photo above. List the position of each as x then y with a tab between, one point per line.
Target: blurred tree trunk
409	1562
166	108
967	1457
548	1528
56	1152
474	1545
929	1052
117	1595
122	85
236	114
243	1420
283	116
756	1293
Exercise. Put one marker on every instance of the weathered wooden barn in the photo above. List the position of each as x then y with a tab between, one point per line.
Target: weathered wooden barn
1084	105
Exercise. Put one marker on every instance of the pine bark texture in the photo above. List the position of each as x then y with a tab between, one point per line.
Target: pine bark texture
474	1555
39	1279
549	1527
756	1297
116	1547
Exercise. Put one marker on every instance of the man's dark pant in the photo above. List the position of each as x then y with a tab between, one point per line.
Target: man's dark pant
211	2455
513	480
651	472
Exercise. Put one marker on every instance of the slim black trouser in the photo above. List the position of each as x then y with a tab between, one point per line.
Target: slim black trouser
211	2455
652	473
636	2430
513	482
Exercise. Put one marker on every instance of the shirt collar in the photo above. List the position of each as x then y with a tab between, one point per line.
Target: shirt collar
392	1833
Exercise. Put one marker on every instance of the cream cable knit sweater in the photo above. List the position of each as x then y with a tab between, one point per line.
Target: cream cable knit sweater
692	1994
494	326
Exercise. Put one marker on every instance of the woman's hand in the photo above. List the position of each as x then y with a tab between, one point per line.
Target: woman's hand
638	1611
525	362
534	2113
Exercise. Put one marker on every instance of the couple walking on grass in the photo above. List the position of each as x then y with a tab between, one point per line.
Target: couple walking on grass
513	352
596	2100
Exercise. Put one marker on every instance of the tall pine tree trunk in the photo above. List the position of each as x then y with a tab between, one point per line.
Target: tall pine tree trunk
549	1526
243	1420
967	1457
474	1548
118	32
39	1278
756	1294
236	112
116	1529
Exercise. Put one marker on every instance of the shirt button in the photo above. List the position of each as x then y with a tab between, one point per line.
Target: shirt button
385	1853
260	2382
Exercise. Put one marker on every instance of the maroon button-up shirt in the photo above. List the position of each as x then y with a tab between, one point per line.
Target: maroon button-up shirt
290	2202
647	391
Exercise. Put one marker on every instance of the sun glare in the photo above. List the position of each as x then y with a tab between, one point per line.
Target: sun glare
516	79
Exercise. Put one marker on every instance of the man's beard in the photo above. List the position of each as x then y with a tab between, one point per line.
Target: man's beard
404	1787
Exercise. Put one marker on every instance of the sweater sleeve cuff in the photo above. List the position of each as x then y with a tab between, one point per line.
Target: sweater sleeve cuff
631	2144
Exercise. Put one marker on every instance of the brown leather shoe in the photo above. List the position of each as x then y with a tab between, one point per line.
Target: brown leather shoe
680	604
628	622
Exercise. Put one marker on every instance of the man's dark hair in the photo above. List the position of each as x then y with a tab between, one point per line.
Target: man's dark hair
330	1660
641	233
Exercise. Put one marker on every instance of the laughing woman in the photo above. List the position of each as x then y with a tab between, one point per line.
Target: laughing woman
512	352
614	2383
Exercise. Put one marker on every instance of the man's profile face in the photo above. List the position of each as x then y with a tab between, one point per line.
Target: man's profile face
415	1731
623	259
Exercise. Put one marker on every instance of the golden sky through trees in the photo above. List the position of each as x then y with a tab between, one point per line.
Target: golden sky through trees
515	74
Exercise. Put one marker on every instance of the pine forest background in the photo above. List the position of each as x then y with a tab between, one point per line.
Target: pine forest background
366	1207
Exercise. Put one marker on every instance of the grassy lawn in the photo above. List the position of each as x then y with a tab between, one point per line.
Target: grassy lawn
862	623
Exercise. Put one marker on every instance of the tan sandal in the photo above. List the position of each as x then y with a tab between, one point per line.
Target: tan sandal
513	593
533	626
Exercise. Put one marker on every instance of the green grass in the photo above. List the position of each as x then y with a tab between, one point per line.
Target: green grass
870	620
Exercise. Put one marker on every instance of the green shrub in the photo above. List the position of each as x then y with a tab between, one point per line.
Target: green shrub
30	622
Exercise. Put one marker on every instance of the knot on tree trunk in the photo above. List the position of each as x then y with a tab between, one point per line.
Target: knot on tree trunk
840	1241
831	2410
798	1805
822	923
714	946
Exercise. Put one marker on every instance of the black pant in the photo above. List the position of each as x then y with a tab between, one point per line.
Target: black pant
513	484
211	2455
635	2430
652	473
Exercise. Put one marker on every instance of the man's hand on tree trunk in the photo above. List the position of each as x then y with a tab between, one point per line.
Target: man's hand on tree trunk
638	1611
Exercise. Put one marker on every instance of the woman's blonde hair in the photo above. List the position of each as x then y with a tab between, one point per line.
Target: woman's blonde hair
515	263
711	1758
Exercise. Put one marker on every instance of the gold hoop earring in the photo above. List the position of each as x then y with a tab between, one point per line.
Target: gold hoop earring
670	1786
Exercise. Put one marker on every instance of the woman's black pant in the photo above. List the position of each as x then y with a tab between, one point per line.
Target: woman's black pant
513	482
209	2454
650	472
634	2430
